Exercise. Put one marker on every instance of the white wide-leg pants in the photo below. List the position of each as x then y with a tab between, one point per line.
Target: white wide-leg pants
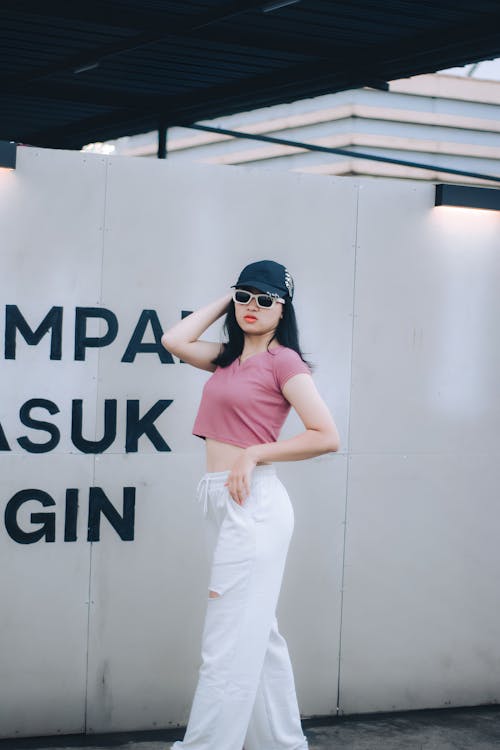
245	694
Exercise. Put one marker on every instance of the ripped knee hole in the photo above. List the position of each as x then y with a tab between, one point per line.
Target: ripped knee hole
213	594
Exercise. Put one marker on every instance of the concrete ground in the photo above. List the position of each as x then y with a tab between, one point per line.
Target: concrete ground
474	728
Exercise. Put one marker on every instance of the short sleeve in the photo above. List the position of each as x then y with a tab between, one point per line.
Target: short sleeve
288	363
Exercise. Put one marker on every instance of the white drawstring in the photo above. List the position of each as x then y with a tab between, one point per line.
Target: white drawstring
203	481
203	489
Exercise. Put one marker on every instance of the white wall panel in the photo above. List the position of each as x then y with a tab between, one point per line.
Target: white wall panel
421	605
389	591
51	219
44	592
425	361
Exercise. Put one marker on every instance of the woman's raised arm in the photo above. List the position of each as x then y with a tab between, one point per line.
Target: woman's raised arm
182	338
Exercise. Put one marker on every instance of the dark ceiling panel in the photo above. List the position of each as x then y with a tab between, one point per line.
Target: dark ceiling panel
72	73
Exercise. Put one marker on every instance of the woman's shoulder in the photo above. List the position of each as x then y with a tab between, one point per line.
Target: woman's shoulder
285	352
288	362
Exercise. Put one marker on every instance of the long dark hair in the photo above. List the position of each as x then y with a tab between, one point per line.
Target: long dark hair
287	334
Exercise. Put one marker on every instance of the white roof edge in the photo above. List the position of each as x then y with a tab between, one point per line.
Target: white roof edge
449	86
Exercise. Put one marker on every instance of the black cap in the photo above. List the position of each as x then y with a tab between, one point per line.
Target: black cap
268	276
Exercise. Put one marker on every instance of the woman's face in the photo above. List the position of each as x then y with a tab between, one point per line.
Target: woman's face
265	320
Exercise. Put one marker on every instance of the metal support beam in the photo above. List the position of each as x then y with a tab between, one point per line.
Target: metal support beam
342	151
162	140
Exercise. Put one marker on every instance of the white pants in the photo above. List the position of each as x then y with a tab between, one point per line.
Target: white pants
246	692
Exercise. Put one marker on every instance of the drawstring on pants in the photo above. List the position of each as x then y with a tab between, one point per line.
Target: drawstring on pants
202	491
214	482
203	488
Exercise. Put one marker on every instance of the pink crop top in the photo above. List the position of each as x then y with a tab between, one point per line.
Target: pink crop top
243	404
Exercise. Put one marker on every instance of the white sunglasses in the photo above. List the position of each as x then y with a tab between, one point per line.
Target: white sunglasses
242	297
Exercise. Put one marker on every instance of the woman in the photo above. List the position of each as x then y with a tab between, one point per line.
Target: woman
246	691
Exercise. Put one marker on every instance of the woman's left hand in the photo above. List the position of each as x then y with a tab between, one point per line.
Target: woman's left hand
238	481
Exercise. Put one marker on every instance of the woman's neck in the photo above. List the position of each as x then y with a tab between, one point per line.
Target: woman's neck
254	347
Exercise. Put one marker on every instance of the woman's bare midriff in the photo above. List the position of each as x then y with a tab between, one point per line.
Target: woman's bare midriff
221	456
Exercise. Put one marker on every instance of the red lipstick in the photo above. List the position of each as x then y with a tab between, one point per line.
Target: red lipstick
250	318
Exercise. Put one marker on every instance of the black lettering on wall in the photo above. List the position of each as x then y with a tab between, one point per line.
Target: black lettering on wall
28	421
71	516
15	321
137	426
4	446
82	341
99	503
93	446
136	345
48	520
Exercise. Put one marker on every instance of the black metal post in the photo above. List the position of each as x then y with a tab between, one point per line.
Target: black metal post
162	140
8	154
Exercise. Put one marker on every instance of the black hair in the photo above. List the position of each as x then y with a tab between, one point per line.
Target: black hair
287	334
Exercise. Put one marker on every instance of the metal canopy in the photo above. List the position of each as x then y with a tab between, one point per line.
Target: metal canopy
78	72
